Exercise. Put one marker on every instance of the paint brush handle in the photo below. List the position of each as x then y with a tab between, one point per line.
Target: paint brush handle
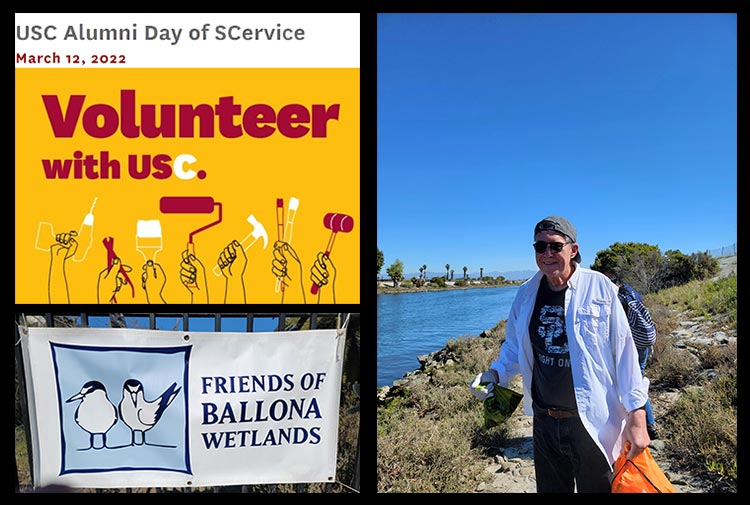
280	219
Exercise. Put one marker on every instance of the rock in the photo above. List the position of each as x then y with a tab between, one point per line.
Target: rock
507	466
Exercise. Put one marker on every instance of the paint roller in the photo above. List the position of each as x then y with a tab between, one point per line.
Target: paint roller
336	223
190	205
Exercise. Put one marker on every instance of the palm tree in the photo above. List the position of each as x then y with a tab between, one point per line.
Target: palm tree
447	270
451	275
465	269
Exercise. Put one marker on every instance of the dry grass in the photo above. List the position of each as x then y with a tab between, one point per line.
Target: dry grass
430	437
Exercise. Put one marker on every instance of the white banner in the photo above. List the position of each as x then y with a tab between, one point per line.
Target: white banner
147	408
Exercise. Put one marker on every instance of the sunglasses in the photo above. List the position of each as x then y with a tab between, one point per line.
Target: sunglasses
541	247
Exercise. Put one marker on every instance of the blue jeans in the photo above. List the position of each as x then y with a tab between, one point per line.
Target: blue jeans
642	358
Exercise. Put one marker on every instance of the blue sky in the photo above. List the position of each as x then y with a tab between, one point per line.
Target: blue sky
197	323
623	123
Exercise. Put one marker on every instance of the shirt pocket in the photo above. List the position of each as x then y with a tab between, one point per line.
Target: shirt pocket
592	321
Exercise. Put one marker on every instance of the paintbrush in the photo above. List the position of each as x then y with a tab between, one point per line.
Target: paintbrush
290	214
148	240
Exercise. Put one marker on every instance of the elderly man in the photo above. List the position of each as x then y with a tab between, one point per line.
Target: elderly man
569	338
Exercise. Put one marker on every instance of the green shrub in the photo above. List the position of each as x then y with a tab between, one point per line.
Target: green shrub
438	281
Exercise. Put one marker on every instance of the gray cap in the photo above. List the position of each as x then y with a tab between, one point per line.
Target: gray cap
560	225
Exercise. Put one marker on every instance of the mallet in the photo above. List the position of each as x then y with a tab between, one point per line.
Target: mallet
336	223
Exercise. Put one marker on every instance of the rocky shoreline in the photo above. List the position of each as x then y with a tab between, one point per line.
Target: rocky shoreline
390	290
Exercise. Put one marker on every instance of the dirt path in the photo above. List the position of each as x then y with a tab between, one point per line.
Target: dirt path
727	266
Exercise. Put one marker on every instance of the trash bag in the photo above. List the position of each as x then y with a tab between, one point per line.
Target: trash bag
500	406
640	474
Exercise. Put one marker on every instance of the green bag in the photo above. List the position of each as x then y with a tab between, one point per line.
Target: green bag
500	406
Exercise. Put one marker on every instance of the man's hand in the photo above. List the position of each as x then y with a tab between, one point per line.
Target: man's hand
635	436
483	384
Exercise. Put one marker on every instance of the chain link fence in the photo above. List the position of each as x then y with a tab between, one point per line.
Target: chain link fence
730	250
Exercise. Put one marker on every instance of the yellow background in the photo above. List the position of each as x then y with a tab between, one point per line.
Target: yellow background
246	175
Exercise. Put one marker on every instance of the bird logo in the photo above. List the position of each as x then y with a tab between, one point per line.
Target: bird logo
95	413
139	414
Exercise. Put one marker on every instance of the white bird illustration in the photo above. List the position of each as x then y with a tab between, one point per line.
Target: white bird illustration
95	414
139	414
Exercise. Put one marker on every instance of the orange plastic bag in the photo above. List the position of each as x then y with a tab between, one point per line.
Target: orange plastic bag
640	474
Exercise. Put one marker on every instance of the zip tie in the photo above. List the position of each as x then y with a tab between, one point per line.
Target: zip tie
341	332
23	328
342	328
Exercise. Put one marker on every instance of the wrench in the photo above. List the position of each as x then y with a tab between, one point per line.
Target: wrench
109	244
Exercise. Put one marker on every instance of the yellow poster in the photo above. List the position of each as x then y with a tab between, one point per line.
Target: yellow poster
155	183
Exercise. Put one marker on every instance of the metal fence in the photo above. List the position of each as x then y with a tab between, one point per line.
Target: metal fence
730	250
216	321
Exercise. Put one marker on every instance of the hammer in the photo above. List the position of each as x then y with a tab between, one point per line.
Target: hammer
258	232
336	223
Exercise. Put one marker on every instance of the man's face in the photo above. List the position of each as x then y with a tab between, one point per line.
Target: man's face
551	263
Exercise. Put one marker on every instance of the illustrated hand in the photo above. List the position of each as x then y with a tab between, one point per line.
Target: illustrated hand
153	280
483	384
323	269
232	260
280	266
64	247
110	281
193	275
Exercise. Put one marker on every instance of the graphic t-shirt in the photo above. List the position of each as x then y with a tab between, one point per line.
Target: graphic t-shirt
552	384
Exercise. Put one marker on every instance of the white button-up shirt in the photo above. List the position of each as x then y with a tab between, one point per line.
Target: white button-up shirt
603	358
